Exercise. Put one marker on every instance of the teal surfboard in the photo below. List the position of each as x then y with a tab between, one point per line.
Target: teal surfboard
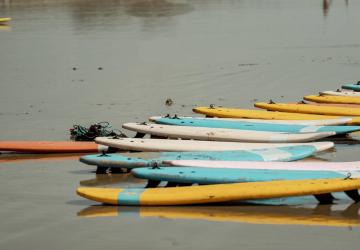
352	86
219	176
231	124
133	160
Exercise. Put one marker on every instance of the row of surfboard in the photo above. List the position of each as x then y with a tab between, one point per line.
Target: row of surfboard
230	170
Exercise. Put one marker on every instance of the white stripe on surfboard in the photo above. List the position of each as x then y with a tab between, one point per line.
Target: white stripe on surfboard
311	166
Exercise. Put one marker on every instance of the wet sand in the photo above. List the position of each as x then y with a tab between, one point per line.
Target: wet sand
66	62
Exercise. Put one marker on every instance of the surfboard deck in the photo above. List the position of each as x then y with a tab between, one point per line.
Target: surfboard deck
206	175
155	145
50	147
334	99
339	93
216	193
223	134
264	127
133	160
304	165
223	112
324	122
308	109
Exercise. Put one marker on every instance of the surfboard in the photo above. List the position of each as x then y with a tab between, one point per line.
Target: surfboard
133	160
216	193
155	145
309	166
261	114
51	147
325	122
334	99
222	134
209	123
333	215
206	175
352	86
308	109
329	104
4	20
339	93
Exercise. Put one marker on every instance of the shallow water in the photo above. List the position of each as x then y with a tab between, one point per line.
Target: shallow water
82	61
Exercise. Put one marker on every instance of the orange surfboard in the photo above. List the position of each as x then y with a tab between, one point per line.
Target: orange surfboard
51	147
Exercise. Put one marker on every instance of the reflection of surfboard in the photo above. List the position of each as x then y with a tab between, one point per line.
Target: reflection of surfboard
222	134
334	99
205	175
216	193
309	109
50	147
214	123
15	158
133	160
262	114
155	145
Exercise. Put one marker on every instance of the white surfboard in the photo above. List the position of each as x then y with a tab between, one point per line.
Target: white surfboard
340	93
221	134
155	145
325	122
310	166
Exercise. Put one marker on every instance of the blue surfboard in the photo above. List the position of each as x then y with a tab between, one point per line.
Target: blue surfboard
352	86
133	160
218	176
214	123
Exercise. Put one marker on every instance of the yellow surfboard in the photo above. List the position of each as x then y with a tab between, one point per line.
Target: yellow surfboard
216	193
261	114
5	19
333	99
309	109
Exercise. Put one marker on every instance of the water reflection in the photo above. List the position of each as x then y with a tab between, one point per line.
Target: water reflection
16	158
321	215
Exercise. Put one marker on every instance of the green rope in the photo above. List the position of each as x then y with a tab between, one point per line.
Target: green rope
101	129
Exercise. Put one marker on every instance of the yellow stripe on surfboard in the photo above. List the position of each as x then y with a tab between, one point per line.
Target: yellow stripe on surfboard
262	114
309	109
216	193
333	99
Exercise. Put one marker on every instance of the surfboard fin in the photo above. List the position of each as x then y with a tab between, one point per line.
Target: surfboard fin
152	184
325	198
139	135
101	170
353	194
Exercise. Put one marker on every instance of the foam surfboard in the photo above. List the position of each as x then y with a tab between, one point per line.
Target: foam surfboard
333	99
222	112
223	134
308	109
332	215
325	122
230	175
309	166
51	147
339	93
216	193
209	123
352	86
154	145
133	160
4	20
